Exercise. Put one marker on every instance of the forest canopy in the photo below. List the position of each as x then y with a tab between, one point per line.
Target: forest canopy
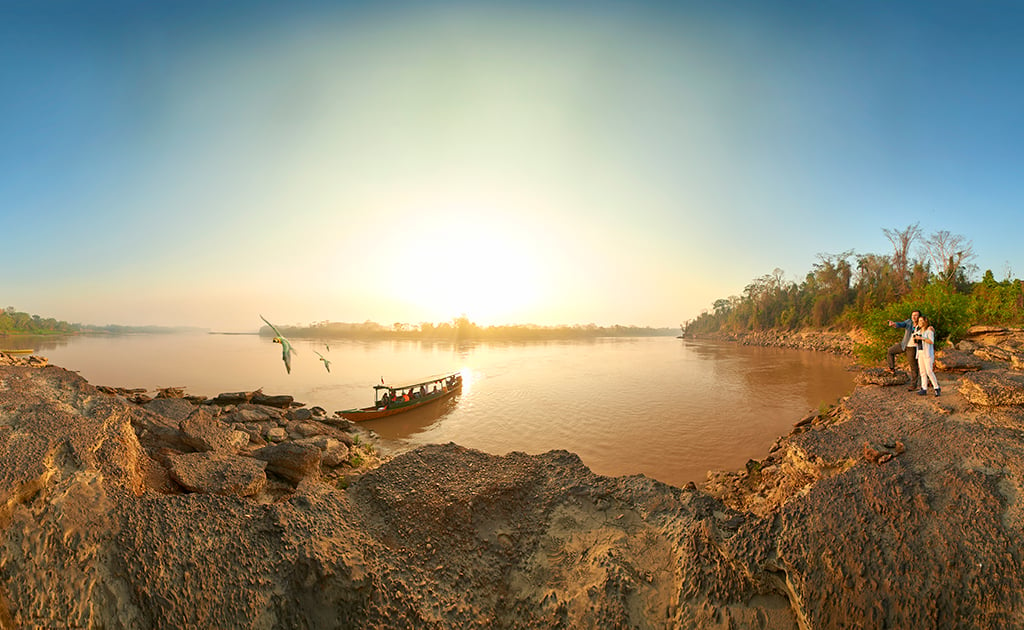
847	291
15	321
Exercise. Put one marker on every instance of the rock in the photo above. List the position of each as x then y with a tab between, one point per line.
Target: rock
174	408
31	360
307	429
299	414
250	413
272	413
444	536
203	432
993	353
292	461
170	392
883	454
277	434
1017	361
333	452
158	431
341	423
217	473
871	453
993	335
318	412
956	361
882	376
993	388
232	398
283	402
810	417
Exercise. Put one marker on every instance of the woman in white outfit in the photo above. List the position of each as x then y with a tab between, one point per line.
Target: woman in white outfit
924	336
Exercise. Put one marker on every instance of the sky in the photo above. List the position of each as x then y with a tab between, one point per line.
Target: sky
202	163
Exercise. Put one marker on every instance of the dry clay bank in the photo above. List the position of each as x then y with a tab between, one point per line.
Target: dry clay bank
887	510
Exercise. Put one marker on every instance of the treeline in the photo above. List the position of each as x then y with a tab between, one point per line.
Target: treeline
13	321
849	291
462	329
118	329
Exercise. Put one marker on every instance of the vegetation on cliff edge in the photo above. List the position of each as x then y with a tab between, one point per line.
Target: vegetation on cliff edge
15	321
849	291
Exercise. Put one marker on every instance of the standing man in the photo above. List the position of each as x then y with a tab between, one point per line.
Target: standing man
905	346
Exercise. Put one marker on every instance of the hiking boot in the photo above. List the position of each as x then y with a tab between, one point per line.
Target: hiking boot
937	390
922	392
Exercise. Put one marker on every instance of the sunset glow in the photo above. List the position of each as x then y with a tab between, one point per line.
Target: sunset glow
462	261
514	163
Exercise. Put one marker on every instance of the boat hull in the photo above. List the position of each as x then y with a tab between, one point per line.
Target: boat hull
372	413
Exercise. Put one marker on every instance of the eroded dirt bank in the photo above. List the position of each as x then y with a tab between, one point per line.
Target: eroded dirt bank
892	510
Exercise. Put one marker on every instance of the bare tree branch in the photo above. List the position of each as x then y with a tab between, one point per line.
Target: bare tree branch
901	241
949	254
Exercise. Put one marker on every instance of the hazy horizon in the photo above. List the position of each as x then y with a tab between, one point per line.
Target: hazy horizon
199	164
311	324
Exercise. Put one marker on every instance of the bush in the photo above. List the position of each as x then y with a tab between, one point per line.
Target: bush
946	310
997	303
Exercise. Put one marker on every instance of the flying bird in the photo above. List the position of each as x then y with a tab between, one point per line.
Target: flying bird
286	346
327	362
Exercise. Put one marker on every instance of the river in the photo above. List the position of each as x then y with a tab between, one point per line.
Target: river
668	408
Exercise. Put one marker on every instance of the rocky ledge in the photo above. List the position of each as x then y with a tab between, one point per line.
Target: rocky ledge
980	344
887	510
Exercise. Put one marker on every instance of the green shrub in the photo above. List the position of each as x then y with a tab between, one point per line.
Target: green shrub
997	303
946	310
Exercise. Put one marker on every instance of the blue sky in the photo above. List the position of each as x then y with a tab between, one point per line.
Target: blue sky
201	163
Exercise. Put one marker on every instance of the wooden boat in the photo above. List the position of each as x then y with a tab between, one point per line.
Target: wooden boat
393	399
17	351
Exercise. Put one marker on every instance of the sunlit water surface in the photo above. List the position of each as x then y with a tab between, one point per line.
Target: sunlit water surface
664	407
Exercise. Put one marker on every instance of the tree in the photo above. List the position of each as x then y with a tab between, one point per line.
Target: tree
875	282
950	255
901	241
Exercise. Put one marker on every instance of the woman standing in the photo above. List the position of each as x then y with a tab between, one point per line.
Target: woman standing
924	336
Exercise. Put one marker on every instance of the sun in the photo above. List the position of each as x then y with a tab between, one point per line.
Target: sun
478	266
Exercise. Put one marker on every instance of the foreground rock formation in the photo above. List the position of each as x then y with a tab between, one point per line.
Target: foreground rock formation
889	510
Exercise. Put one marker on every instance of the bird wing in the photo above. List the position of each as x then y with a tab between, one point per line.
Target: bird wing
327	362
286	354
272	327
286	346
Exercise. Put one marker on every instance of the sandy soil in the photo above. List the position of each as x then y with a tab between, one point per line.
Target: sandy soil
892	510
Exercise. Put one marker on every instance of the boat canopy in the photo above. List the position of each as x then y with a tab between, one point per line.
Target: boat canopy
433	381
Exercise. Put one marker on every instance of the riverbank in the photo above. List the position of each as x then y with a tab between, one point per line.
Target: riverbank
840	343
889	509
